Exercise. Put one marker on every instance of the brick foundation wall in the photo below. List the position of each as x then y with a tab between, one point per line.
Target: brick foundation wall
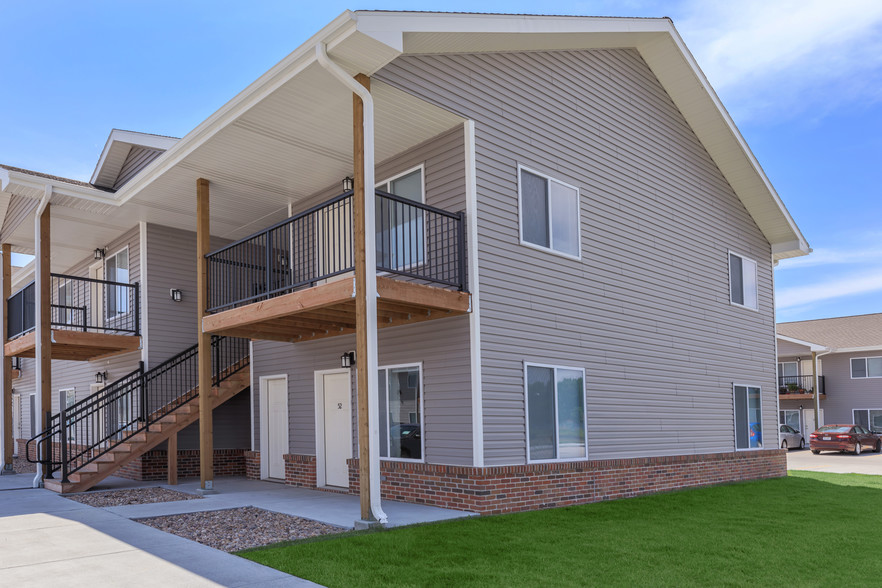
493	490
153	465
252	465
299	470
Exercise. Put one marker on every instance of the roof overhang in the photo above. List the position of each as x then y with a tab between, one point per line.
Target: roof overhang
811	346
117	148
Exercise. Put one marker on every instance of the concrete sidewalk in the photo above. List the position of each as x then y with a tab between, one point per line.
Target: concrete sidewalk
47	538
839	463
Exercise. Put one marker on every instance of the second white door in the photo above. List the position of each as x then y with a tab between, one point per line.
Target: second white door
338	428
277	426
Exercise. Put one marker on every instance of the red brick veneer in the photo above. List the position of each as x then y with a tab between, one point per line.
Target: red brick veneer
153	465
299	470
252	465
493	490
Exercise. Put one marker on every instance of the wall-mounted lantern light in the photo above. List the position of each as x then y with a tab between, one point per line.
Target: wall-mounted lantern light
348	184
347	360
99	253
176	294
100	377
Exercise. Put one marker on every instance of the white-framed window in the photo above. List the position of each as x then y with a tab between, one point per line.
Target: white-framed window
748	417
16	417
555	401
787	369
116	269
549	213
790	418
67	398
401	412
32	410
401	231
65	313
870	418
742	281
866	367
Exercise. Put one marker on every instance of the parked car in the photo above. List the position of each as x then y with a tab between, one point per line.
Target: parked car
844	438
756	435
791	438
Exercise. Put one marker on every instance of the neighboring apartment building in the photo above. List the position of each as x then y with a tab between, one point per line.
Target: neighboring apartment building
846	354
573	253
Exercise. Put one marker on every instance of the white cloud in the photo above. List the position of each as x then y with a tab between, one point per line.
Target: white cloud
789	55
862	283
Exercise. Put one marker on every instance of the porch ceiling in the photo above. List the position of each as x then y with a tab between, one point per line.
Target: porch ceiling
75	345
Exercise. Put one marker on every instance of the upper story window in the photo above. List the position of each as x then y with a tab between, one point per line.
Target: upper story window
742	281
549	213
116	269
555	412
866	367
748	417
401	241
788	369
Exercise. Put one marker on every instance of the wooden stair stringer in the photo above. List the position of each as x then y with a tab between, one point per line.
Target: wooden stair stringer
182	419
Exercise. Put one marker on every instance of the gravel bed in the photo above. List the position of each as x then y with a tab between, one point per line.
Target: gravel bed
235	529
131	496
23	466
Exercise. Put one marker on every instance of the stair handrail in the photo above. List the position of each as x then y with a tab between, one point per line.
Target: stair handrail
137	400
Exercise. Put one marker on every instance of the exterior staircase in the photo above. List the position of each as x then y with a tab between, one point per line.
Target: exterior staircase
150	407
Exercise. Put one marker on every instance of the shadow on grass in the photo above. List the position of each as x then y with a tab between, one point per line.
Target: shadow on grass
741	534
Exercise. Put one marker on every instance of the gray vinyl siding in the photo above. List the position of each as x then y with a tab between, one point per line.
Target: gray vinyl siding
171	263
646	310
137	159
441	346
845	394
25	385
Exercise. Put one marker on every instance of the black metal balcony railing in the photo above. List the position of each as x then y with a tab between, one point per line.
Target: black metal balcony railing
84	431
415	241
80	304
799	384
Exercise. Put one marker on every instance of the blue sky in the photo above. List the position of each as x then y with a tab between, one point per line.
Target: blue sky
801	78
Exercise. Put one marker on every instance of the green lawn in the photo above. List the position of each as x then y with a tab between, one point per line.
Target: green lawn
750	534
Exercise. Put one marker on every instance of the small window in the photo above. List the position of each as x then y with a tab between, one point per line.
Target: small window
400	411
790	418
116	269
742	281
866	367
549	213
555	413
869	418
748	417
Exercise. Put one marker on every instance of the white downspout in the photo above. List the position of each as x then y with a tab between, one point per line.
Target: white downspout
38	351
370	236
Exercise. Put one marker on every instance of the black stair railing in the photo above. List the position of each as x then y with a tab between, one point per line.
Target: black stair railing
415	241
88	429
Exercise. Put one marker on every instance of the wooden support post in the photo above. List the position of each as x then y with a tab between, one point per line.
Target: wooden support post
206	429
43	294
361	317
8	440
173	460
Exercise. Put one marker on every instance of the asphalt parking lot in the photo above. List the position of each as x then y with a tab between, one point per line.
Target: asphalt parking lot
839	463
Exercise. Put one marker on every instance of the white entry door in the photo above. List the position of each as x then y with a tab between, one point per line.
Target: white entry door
277	426
808	419
338	428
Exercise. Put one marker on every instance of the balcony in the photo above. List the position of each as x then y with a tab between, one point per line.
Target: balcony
294	281
799	387
89	319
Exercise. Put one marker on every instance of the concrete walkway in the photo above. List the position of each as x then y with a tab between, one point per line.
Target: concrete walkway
839	463
47	538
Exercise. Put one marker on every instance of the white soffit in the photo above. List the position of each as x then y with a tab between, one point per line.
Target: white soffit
116	150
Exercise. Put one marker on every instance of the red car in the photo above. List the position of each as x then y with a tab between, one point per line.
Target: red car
844	438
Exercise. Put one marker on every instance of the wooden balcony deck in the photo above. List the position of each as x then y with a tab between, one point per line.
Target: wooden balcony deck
328	310
75	345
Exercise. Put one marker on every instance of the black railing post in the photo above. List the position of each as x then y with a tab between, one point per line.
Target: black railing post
85	319
64	449
215	348
269	260
46	462
142	387
137	308
461	253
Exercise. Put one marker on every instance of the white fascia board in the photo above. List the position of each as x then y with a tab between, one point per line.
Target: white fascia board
27	181
809	344
332	34
857	349
702	92
119	138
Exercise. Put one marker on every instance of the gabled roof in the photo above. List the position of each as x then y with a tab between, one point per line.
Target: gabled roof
366	41
126	153
844	333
